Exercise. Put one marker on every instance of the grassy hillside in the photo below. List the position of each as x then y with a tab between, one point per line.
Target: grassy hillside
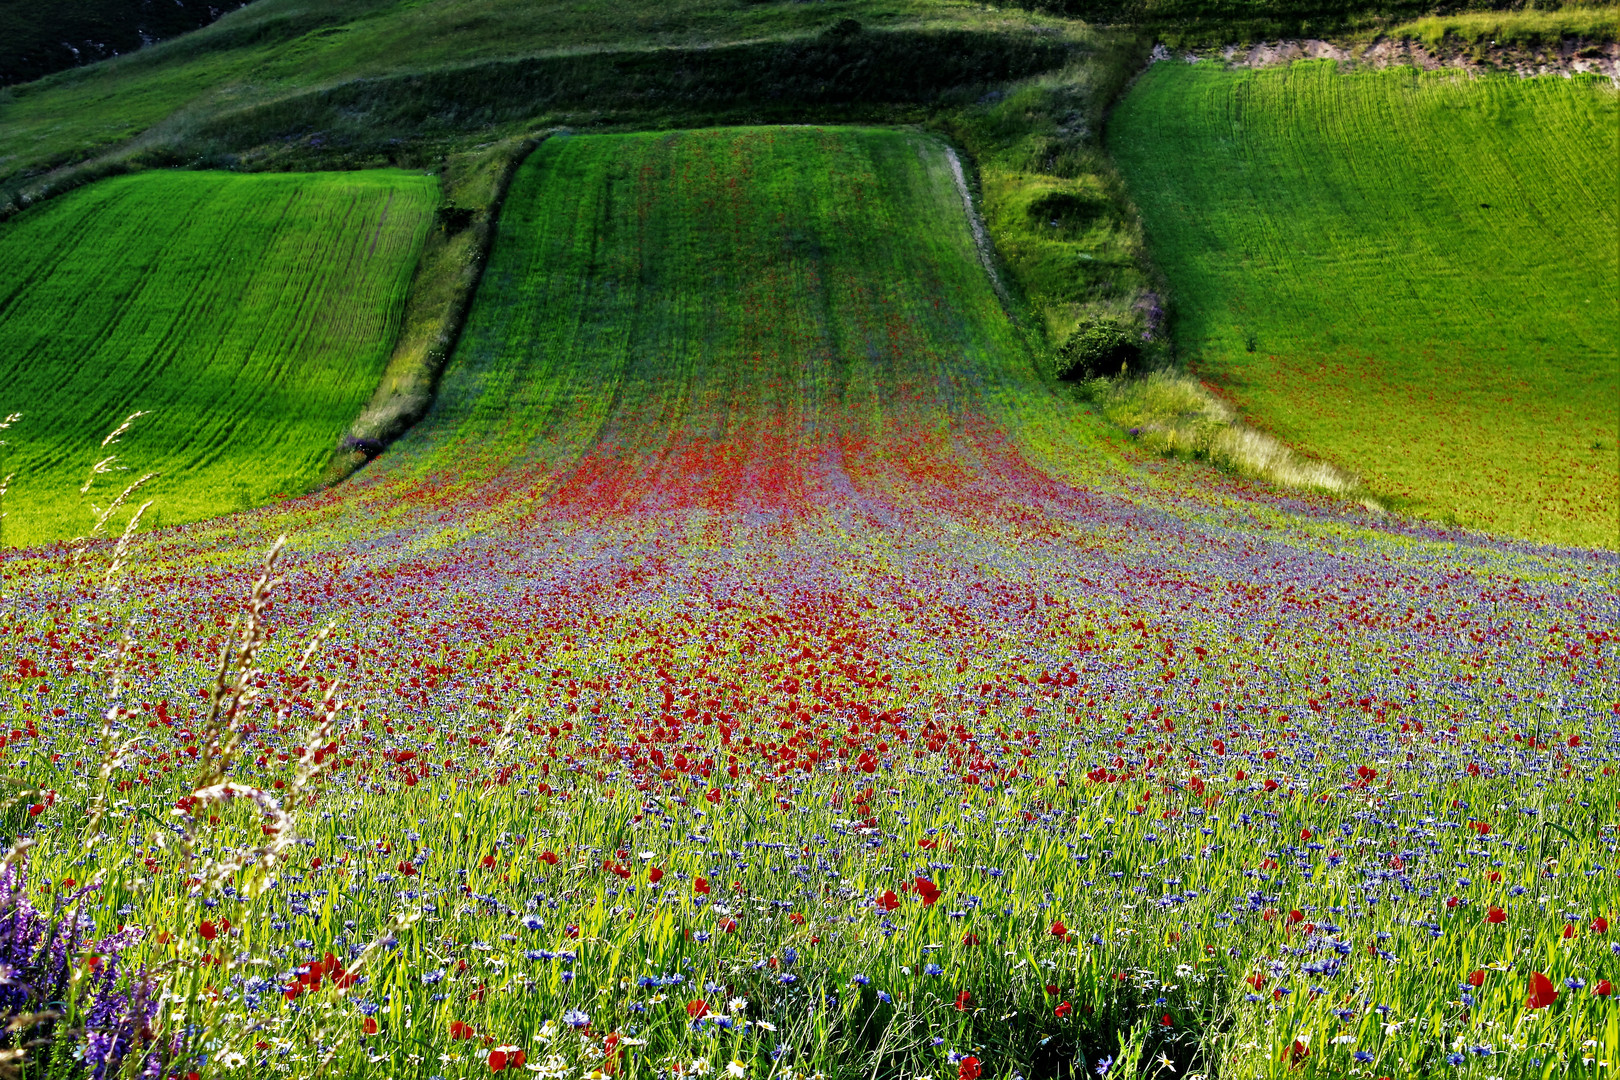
249	316
684	309
1404	273
186	98
37	39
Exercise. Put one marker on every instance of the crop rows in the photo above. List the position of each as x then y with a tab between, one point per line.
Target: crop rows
1399	272
248	316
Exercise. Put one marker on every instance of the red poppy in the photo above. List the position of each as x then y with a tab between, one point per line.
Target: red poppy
1256	980
1541	993
1166	1021
1569	931
696	1009
1063	1009
1603	988
369	1026
1496	915
701	886
654	875
1600	925
1059	930
797	919
1476	978
207	930
1296	915
927	890
888	901
969	1069
458	1030
963	1000
549	858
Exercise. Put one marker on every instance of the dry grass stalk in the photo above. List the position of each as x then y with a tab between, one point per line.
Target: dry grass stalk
1176	415
233	691
109	581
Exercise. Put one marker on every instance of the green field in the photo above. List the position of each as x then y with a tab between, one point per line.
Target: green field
250	317
1411	275
652	295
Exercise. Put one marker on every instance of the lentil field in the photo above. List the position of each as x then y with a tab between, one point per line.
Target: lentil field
752	668
249	318
1400	272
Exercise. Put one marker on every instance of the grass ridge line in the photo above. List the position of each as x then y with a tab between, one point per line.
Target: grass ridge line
874	66
447	277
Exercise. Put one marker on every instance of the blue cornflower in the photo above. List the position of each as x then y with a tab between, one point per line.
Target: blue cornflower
575	1018
1362	1056
861	980
533	922
933	969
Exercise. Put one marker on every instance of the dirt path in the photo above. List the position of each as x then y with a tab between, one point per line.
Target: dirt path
1563	58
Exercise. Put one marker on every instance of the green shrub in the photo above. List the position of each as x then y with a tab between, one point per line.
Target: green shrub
1098	347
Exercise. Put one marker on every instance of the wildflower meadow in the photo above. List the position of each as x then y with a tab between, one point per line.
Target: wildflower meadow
759	672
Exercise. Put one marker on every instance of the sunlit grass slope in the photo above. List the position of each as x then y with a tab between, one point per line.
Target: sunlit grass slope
1412	275
249	316
683	304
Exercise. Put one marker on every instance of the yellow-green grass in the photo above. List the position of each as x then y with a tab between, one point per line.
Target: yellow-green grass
249	316
1527	26
1411	275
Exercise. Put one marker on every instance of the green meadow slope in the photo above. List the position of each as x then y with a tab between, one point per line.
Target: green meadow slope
249	316
1412	275
757	292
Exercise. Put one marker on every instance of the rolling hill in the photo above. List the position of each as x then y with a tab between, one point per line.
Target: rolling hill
1399	272
248	316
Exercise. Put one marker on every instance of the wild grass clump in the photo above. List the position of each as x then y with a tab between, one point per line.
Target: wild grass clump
1175	415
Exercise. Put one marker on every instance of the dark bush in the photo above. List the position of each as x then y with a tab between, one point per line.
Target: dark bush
1069	211
1098	347
453	219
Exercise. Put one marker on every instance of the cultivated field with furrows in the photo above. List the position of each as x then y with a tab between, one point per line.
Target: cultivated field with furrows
783	541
